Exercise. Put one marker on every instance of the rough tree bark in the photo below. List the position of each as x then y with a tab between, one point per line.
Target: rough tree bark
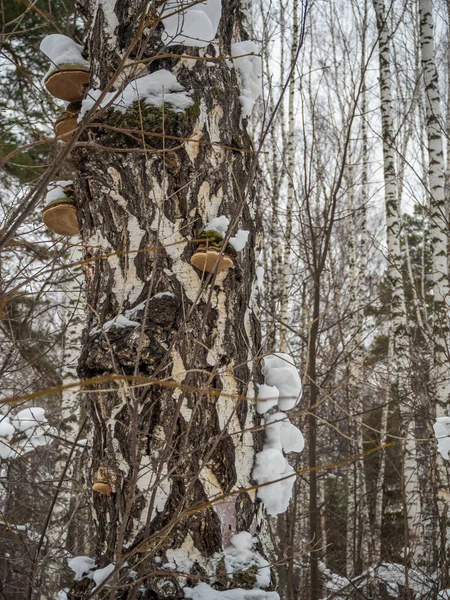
171	445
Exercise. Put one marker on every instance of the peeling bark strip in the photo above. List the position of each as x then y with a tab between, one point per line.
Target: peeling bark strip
171	450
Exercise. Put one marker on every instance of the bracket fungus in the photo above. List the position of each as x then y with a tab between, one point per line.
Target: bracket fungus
69	73
67	82
67	121
209	256
104	481
60	214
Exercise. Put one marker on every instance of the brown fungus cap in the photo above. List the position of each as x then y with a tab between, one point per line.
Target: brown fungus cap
61	218
68	82
206	258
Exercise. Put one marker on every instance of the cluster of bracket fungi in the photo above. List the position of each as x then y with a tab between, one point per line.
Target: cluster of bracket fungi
66	82
210	255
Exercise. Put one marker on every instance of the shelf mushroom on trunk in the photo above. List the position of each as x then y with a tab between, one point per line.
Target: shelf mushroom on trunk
104	481
60	214
67	122
211	255
69	73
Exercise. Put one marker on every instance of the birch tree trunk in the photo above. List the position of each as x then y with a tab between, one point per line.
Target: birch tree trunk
286	278
358	521
68	532
173	422
438	203
399	335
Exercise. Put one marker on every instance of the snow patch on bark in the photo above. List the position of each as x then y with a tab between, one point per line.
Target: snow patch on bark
271	465
194	26
240	556
203	591
185	556
111	20
158	88
250	71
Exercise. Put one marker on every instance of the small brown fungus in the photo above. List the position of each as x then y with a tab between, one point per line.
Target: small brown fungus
60	214
104	481
206	257
67	122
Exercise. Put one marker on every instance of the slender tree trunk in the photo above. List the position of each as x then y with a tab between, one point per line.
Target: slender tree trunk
287	274
438	206
439	202
63	534
358	522
314	524
399	333
173	422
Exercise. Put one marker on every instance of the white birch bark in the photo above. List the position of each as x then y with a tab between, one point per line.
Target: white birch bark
399	334
66	536
287	273
438	206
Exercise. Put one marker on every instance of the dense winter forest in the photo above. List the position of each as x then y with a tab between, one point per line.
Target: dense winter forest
224	299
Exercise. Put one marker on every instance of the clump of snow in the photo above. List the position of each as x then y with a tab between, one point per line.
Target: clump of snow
280	372
281	434
267	398
442	433
271	465
118	322
250	71
240	239
6	450
6	428
62	50
194	26
29	418
220	225
240	556
203	591
163	295
33	428
99	575
56	191
156	89
81	566
260	277
62	595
